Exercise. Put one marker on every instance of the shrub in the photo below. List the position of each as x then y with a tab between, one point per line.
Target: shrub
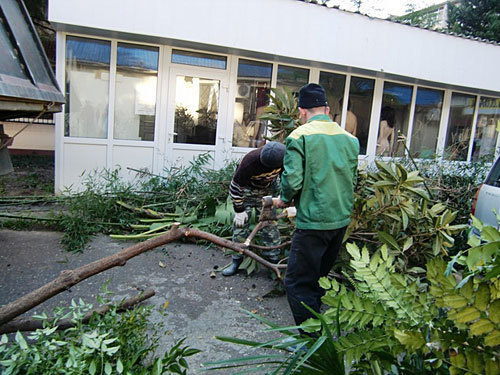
116	343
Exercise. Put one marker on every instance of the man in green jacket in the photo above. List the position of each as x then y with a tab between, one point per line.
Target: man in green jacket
319	174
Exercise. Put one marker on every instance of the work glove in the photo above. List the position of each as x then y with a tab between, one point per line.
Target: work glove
291	211
240	218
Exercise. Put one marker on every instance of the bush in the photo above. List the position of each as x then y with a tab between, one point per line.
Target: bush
116	343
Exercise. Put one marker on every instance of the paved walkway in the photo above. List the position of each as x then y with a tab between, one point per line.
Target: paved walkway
200	307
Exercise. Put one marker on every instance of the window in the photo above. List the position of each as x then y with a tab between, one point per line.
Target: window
254	81
196	110
485	139
334	85
135	98
292	78
394	118
426	122
199	59
361	98
459	126
86	87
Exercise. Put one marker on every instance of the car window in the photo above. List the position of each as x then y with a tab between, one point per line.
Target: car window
493	178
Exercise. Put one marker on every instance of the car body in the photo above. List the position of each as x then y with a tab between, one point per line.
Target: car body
486	203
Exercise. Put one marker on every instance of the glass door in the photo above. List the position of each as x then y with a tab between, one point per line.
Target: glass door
196	122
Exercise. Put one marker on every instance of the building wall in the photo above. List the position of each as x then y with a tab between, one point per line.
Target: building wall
381	56
297	30
33	138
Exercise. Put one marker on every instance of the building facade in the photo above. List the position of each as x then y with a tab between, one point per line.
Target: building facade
153	84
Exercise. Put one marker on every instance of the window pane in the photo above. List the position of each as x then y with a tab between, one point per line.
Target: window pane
10	62
361	98
196	110
254	81
459	126
135	97
486	136
394	117
334	85
292	78
426	121
198	59
87	87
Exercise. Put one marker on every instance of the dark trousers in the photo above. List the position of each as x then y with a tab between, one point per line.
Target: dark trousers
312	255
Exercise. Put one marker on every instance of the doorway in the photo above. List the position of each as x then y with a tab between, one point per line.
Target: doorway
197	116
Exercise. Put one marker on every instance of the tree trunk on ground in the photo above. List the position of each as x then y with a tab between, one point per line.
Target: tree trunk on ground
31	324
68	278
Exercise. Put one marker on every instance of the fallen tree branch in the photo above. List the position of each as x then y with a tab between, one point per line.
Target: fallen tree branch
31	324
284	244
68	278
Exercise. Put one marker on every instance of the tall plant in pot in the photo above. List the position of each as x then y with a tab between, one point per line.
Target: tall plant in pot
282	114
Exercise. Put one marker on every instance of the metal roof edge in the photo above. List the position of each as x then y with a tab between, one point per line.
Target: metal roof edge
440	31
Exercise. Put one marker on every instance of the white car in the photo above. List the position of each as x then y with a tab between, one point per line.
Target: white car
486	204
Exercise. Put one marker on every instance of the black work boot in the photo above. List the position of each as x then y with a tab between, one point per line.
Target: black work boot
233	267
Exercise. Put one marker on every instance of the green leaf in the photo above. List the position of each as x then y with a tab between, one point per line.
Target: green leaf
387	169
384	252
408	243
119	366
21	341
482	297
477	223
481	327
420	192
455	301
467	315
493	339
158	367
388	239
92	367
325	283
451	264
490	234
353	250
404	215
495	311
107	368
411	340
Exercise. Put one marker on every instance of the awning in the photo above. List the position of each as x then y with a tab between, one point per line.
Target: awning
27	83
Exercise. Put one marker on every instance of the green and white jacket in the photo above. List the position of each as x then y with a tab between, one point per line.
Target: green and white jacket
319	174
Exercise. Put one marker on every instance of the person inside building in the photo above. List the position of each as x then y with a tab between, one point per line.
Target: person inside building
246	132
351	122
385	141
255	177
319	174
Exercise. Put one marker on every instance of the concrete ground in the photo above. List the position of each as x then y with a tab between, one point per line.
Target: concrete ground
199	307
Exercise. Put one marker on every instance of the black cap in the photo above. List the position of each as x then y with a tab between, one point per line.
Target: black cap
272	154
312	95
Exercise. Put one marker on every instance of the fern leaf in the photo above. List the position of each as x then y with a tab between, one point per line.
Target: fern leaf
354	345
493	339
412	340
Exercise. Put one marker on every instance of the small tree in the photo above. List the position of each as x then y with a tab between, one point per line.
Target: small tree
282	114
478	18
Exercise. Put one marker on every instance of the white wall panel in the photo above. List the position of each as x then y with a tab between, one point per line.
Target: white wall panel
132	157
183	157
34	137
81	158
308	31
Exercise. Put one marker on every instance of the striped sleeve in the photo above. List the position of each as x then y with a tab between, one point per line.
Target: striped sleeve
236	194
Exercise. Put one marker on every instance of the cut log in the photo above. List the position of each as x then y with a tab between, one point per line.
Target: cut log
68	278
31	324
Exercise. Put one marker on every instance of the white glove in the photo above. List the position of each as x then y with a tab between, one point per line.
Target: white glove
240	218
291	211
